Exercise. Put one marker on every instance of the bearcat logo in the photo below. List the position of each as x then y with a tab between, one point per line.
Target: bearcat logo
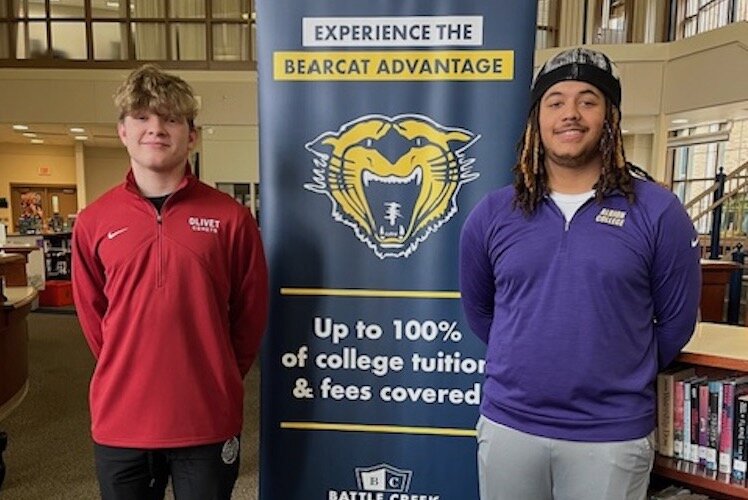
393	180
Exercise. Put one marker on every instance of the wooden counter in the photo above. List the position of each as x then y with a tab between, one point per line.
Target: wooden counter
20	249
31	248
721	346
14	340
13	267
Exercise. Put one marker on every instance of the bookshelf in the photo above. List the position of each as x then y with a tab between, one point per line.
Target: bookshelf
714	346
698	478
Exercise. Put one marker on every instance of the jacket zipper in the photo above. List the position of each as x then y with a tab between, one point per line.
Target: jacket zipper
160	279
567	223
160	236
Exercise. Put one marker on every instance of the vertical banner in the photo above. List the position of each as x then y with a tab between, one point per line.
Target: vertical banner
381	125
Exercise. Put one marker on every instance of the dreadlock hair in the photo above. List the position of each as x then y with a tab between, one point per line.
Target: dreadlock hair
531	177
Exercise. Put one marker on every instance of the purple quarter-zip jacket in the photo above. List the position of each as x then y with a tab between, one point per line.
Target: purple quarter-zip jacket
579	317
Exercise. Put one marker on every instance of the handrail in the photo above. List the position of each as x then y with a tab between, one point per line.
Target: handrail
738	171
727	196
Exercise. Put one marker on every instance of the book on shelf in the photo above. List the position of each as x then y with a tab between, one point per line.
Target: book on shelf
732	388
687	424
678	418
665	406
694	400
714	422
703	422
739	454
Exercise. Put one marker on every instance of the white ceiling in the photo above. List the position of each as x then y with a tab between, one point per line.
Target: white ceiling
60	134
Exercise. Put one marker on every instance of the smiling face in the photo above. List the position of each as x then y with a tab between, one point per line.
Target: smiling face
571	119
155	142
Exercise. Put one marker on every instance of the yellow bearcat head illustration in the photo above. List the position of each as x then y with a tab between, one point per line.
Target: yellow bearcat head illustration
393	180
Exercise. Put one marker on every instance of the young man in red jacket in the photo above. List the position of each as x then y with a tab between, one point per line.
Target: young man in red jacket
170	286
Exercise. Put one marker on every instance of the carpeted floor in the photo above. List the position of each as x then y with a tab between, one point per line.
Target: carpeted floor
49	453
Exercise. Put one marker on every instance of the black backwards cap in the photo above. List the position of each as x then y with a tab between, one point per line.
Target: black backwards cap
580	64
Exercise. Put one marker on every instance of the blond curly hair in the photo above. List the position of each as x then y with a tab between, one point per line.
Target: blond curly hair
150	88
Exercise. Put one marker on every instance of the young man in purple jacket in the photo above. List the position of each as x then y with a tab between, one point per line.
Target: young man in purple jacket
583	279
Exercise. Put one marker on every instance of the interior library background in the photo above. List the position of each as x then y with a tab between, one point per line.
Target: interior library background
683	65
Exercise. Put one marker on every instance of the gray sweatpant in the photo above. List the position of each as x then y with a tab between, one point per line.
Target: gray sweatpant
513	465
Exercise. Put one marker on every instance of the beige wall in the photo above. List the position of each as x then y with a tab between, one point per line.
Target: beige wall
230	154
22	164
85	95
708	70
104	169
638	150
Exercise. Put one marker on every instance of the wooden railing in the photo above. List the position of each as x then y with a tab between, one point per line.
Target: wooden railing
733	204
736	183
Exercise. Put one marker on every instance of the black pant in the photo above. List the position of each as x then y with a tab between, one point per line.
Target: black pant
205	472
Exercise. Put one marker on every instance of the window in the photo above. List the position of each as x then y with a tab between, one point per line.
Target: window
613	21
200	34
546	35
245	194
697	154
690	17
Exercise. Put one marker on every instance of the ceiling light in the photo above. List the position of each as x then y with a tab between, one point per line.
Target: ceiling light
81	137
20	127
29	134
37	141
77	130
679	121
112	4
625	131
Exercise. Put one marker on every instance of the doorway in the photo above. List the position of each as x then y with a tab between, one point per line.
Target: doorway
36	208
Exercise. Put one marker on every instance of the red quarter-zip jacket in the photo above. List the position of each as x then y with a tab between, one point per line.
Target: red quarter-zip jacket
173	307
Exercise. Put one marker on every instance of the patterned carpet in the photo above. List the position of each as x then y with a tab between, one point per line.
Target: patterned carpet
49	453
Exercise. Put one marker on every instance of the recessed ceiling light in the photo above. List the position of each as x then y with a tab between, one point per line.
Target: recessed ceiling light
112	4
81	137
77	130
29	134
37	141
20	127
625	131
679	121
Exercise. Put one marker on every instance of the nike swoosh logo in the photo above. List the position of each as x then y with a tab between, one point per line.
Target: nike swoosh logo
694	243
113	234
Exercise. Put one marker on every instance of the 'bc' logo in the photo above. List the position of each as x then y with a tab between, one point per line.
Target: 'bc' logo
393	180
